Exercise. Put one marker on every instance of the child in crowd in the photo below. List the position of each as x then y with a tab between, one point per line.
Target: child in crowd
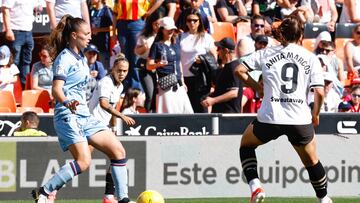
8	70
133	99
29	125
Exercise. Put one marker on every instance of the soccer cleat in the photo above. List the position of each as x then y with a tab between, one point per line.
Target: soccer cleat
126	200
38	197
109	200
325	199
257	196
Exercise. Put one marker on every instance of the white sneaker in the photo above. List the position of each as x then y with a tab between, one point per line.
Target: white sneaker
42	199
325	199
257	196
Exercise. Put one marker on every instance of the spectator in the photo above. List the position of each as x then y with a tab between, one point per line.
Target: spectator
323	11
331	99
207	14
257	28
164	56
350	12
29	125
332	64
133	98
8	70
355	99
226	97
101	20
142	49
193	43
97	70
129	23
261	41
18	23
251	100
266	8
230	10
344	106
352	58
56	9
42	72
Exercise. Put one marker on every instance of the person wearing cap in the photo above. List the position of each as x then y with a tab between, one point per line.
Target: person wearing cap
227	95
97	70
195	41
261	41
8	70
164	57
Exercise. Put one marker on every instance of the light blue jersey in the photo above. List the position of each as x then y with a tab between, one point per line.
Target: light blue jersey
74	128
73	69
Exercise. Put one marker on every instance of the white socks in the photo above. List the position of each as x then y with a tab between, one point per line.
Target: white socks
254	184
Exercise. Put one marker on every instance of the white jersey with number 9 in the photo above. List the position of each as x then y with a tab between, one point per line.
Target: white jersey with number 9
288	73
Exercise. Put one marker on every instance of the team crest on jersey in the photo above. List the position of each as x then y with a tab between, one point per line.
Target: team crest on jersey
60	70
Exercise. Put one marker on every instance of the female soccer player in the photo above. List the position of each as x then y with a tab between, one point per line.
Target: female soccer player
74	125
289	71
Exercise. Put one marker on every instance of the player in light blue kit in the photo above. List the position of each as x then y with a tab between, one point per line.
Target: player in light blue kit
74	125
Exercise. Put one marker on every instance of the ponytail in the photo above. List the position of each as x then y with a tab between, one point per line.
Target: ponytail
60	36
290	30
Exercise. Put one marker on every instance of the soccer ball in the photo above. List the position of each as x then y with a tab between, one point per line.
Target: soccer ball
150	196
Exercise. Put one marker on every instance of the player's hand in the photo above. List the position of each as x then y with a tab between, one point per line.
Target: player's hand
72	104
315	120
128	120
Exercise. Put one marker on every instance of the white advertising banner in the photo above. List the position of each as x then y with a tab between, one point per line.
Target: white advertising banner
209	166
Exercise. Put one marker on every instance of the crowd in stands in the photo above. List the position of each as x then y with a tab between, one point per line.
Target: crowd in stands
181	56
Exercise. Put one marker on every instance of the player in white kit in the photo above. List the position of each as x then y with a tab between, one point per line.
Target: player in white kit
289	72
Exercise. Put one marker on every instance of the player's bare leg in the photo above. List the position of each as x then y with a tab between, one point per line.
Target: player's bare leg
318	178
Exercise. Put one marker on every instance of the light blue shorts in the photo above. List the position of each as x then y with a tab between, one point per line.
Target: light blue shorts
74	128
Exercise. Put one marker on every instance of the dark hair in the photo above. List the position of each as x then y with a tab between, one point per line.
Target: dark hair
201	30
131	93
356	27
60	36
257	17
148	29
290	30
160	36
30	116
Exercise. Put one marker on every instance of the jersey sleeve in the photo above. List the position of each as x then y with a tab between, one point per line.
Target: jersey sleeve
60	69
252	62
316	73
104	90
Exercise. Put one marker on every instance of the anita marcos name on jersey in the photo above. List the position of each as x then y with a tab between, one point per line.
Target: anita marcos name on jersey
290	55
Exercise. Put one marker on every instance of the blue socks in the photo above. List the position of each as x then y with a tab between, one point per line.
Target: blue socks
64	175
119	173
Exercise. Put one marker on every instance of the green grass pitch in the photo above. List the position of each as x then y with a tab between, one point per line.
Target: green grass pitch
212	200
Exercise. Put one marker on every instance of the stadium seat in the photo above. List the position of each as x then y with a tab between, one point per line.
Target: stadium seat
242	29
17	91
36	98
8	100
340	44
344	30
25	109
222	30
5	110
309	44
312	30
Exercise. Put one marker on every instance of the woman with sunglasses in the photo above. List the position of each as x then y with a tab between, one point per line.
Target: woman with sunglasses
355	99
195	41
352	57
164	57
41	72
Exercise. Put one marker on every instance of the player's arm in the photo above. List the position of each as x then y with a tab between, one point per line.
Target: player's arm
241	72
318	101
59	95
104	103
